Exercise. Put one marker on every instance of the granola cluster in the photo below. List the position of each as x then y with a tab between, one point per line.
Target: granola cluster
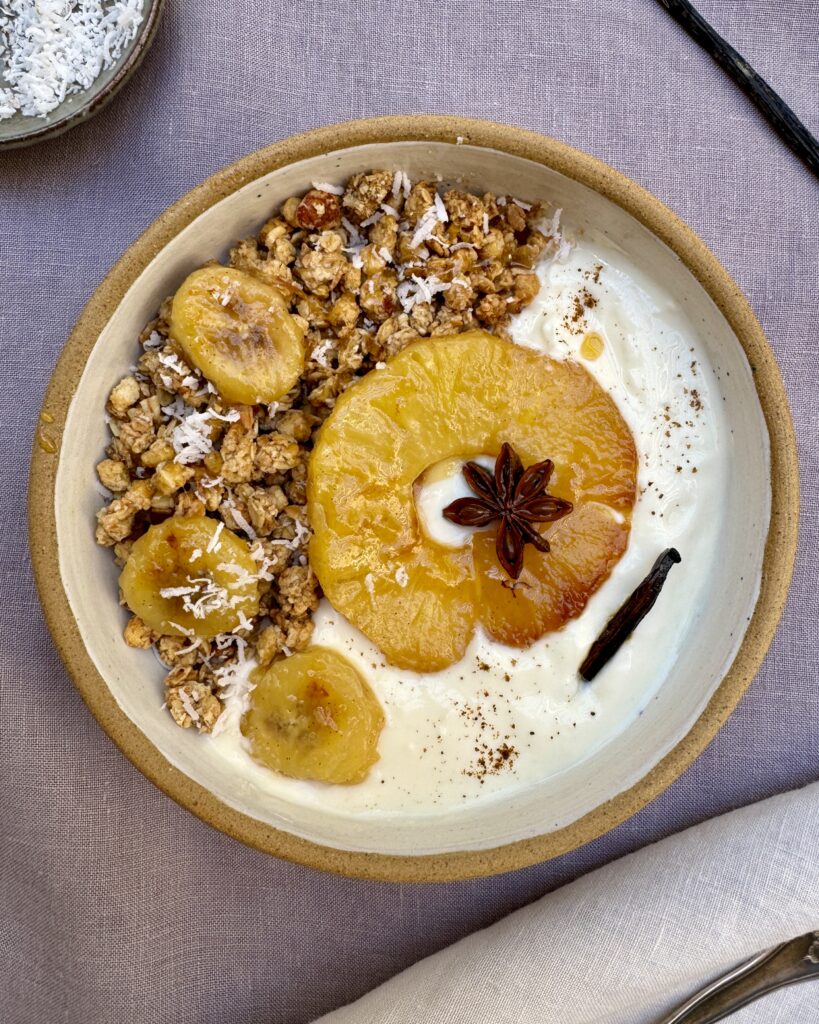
365	269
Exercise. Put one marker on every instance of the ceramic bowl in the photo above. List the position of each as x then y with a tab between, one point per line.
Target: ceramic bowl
725	644
77	108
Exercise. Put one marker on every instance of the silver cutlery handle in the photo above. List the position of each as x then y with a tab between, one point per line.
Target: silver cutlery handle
787	964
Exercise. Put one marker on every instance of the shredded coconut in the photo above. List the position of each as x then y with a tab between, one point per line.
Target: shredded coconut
50	49
440	209
324	186
356	238
552	230
419	289
187	704
240	520
191	437
234	690
319	354
201	596
426	227
182	629
173	362
401	184
214	543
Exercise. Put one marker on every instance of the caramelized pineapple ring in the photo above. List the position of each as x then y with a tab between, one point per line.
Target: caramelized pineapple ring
449	397
237	330
190	575
312	716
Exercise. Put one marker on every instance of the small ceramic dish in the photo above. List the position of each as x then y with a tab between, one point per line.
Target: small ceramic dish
723	644
77	108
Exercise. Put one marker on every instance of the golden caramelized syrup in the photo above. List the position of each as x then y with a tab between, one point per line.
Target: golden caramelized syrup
46	442
592	346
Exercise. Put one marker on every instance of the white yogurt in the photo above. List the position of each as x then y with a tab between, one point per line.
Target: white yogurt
504	719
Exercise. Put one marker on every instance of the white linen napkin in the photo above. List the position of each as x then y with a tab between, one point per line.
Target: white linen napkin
629	942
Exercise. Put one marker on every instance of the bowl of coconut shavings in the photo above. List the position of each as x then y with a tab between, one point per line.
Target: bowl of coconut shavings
60	63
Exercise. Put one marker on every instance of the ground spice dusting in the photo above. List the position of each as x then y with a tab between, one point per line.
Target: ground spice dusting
492	751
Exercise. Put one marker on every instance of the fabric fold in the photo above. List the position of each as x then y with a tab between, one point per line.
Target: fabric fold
631	940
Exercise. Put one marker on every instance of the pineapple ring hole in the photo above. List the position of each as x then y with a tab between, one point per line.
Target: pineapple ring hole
440	484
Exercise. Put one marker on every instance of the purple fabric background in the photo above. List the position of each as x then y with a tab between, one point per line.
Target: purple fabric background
115	904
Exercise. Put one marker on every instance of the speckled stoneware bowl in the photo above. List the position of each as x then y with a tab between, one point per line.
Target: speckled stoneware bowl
727	641
80	106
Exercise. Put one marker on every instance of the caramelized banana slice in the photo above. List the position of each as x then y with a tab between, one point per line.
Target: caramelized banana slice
191	575
312	716
236	329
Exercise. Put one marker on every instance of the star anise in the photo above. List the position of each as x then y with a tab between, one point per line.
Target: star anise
516	497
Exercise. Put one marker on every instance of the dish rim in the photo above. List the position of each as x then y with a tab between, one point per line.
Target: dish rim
780	547
95	99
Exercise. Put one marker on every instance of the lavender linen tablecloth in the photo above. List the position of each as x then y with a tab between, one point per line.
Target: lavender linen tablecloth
115	904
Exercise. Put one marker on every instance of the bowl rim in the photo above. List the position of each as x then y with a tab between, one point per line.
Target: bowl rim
94	99
780	548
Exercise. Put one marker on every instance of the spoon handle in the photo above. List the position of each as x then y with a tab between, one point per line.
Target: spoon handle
776	110
787	964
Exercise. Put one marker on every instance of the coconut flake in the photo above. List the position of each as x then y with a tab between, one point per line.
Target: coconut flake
214	543
440	209
325	186
244	622
419	289
319	353
426	227
240	520
401	184
182	629
356	238
172	361
187	704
